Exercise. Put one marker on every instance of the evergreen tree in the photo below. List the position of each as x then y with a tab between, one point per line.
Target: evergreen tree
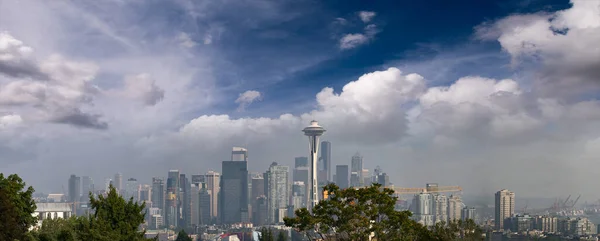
266	234
114	219
183	236
281	236
16	208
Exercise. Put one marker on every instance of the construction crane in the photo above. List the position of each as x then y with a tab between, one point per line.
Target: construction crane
575	202
429	188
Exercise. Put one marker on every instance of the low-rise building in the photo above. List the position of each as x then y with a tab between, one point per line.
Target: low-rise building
52	210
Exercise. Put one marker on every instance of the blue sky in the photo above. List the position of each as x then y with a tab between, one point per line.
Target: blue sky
100	87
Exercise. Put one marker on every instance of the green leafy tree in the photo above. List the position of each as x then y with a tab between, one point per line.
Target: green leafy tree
16	208
358	215
266	234
281	236
113	219
183	236
57	229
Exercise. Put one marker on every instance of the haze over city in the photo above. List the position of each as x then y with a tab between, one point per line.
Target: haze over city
481	94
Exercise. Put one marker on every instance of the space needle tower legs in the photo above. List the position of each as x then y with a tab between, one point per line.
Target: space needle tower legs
313	131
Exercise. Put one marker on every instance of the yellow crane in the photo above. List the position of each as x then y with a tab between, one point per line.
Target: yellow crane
429	188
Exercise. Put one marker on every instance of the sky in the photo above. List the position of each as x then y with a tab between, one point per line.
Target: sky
482	94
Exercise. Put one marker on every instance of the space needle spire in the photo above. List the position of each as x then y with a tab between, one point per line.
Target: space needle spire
313	131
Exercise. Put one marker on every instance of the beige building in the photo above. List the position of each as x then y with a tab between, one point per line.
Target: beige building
505	207
213	180
455	206
51	211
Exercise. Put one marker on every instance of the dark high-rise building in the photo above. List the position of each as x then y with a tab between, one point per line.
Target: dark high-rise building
326	160
74	188
301	161
258	189
233	201
197	179
341	175
172	200
261	216
87	186
158	194
185	206
204	205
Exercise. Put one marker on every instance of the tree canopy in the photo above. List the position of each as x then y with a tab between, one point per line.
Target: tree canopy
16	208
183	236
113	219
365	213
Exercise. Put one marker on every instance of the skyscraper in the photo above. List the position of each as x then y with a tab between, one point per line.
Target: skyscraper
234	188
213	182
185	211
258	189
132	189
205	205
172	200
74	188
313	131
505	207
326	159
118	182
158	194
341	176
197	179
422	206
298	193
301	161
469	213
440	208
455	206
87	186
277	192
356	179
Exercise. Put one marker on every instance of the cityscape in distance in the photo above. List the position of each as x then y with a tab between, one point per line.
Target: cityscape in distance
226	119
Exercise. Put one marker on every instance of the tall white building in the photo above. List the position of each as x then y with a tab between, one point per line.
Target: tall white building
278	193
469	213
423	208
505	207
118	182
455	205
440	208
298	193
356	171
132	189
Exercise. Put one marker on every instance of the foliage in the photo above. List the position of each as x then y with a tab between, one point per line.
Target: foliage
16	208
56	230
281	236
183	236
360	214
266	234
357	214
114	219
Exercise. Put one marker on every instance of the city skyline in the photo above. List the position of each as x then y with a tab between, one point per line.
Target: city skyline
464	94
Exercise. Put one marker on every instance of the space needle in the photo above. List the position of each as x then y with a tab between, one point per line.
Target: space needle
313	131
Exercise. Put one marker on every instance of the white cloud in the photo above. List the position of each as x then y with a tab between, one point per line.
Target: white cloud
366	16
9	120
186	41
208	39
247	98
564	43
143	88
350	41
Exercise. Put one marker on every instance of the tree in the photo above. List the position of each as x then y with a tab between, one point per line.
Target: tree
281	236
114	219
16	208
183	236
56	230
266	234
358	214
